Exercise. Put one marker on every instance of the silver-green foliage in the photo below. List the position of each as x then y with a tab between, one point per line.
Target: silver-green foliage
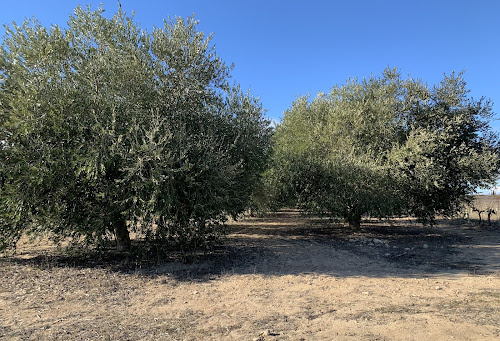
106	128
384	146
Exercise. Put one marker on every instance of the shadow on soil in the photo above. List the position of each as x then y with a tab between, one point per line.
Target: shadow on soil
286	243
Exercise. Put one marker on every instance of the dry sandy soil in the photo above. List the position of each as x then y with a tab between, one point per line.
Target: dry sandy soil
282	277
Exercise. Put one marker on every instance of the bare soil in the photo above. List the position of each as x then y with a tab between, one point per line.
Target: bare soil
281	277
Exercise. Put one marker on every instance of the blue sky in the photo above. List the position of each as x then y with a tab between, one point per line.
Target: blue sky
285	49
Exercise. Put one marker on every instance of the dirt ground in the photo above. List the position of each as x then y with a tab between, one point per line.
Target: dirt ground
282	277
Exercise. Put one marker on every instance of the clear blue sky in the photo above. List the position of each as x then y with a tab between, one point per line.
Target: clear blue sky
285	49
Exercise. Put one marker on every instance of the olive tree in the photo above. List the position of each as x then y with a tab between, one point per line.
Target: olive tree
106	128
450	150
384	146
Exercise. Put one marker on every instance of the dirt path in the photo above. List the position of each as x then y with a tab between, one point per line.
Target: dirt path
282	277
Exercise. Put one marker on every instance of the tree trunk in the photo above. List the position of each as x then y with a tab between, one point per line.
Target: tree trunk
122	235
354	221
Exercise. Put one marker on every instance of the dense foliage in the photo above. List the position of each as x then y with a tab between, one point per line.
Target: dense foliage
384	146
107	129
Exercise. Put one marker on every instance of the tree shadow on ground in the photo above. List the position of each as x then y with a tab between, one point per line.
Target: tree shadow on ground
286	243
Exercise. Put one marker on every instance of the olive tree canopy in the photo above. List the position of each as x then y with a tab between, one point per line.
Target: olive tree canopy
384	146
106	128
